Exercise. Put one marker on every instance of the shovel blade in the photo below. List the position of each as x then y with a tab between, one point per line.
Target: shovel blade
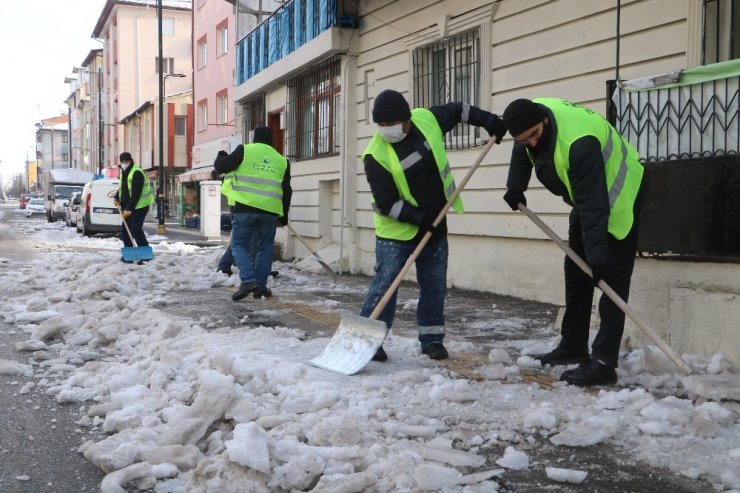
134	254
353	345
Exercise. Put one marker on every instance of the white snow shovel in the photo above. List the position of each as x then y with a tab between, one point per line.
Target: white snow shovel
607	290
358	338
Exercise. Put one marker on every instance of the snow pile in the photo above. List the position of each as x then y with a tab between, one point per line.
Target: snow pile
190	404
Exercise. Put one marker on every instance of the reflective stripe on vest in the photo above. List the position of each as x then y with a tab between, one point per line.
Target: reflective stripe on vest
147	197
258	181
389	226
623	169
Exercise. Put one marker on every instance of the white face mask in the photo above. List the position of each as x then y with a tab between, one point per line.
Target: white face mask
393	134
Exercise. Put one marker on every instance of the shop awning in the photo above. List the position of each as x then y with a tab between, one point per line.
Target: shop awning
195	175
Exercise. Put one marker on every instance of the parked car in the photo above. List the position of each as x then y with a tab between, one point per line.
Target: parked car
35	206
70	210
25	197
97	213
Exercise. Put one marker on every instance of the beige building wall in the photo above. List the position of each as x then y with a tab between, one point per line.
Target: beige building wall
529	48
130	34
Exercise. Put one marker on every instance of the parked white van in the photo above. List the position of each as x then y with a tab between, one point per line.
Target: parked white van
97	212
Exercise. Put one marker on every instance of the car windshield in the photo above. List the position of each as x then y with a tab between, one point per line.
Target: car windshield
36	201
63	192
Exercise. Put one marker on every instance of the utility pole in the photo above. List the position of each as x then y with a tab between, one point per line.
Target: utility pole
161	229
100	121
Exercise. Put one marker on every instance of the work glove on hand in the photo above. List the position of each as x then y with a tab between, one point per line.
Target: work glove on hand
126	214
117	203
600	272
497	130
427	224
514	198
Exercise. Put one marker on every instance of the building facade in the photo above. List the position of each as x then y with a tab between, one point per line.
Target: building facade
130	34
52	146
313	68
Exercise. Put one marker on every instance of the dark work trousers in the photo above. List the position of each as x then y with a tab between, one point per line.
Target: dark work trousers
579	292
136	225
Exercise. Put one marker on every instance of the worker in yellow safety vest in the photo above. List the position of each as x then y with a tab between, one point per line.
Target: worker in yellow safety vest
134	196
411	180
579	156
257	186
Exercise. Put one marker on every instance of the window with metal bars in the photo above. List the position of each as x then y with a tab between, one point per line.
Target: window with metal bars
449	71
720	40
254	114
312	111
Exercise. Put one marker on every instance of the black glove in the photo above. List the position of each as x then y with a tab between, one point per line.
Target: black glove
282	221
427	223
600	272
498	129
514	198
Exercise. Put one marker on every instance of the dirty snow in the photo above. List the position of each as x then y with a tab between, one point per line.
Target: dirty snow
193	405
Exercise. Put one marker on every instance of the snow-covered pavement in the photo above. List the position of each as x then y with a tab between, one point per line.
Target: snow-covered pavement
190	401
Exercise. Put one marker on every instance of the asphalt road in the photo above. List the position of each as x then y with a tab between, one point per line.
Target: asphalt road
38	437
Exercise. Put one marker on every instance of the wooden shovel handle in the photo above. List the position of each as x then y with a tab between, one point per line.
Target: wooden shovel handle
607	290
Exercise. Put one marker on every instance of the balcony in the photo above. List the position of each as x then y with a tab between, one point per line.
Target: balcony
686	114
291	27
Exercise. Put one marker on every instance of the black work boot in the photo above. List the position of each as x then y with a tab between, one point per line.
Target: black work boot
262	291
380	355
592	373
435	350
244	289
559	356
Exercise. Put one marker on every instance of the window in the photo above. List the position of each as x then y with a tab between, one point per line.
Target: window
168	26
720	42
222	107
181	126
313	101
203	115
446	71
65	156
223	39
254	113
168	65
202	52
65	138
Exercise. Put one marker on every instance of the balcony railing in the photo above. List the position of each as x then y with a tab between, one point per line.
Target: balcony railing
695	115
288	28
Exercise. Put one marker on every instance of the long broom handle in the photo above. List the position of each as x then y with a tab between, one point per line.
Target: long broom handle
607	290
313	252
425	239
131	237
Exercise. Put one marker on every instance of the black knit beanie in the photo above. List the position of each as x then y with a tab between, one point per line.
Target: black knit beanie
262	135
523	114
390	106
125	157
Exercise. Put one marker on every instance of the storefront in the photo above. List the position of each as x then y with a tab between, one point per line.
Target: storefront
189	194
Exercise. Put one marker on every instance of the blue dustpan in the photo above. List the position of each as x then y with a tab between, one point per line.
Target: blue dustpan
135	253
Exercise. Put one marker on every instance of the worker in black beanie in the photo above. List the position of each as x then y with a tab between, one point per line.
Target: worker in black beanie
579	156
409	176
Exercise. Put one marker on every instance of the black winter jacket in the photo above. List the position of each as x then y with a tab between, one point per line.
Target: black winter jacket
422	175
587	179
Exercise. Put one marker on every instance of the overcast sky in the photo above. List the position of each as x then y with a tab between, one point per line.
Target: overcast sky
41	42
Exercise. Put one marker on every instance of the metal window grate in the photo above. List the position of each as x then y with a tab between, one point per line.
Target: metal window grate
449	71
312	111
720	42
254	114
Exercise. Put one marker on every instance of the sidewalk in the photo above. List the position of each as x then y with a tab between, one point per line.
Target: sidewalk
175	232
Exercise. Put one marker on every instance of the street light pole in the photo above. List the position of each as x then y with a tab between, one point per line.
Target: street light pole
100	120
161	229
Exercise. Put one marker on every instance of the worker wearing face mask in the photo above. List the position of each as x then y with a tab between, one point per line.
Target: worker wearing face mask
410	179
